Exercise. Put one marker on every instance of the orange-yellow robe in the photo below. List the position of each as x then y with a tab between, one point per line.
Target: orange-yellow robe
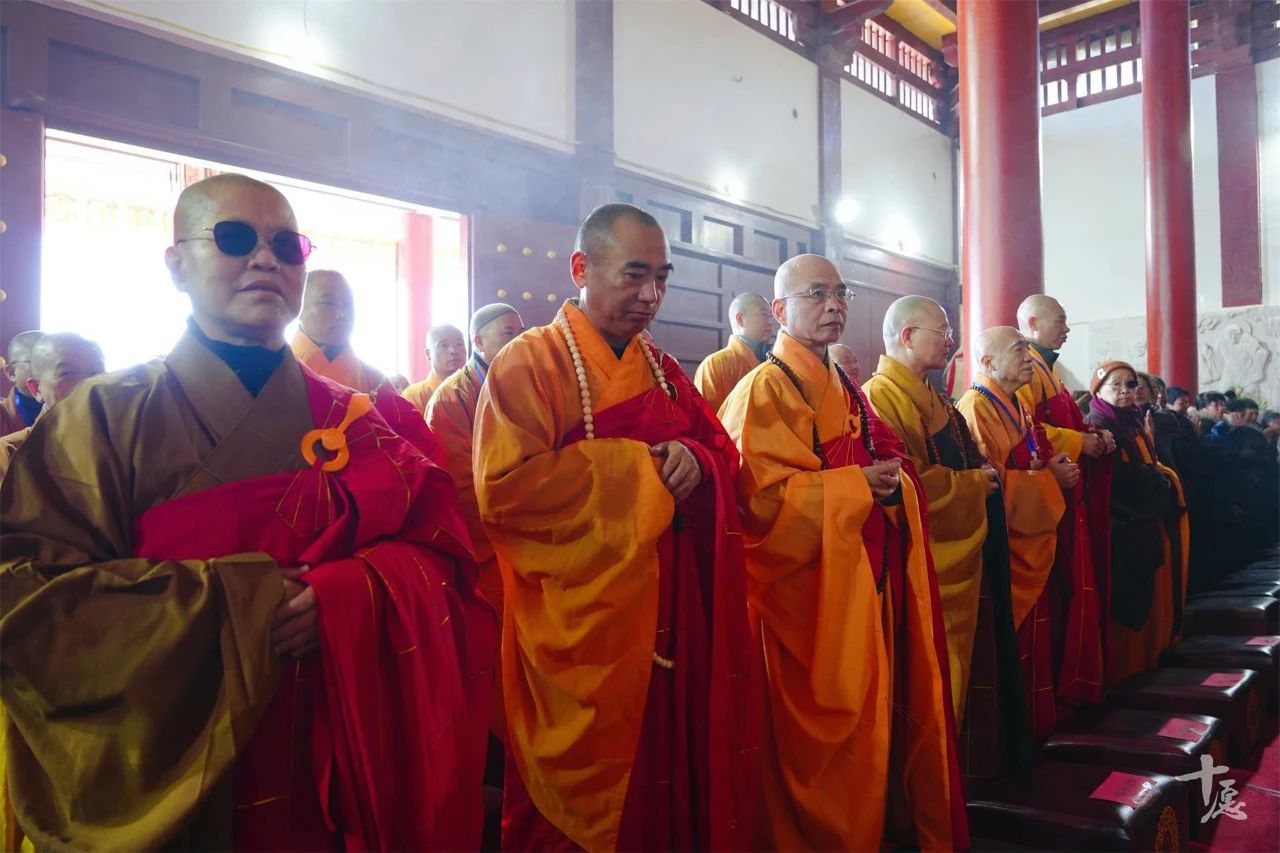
419	393
346	369
957	506
1034	505
1046	383
828	632
722	370
11	419
579	529
451	415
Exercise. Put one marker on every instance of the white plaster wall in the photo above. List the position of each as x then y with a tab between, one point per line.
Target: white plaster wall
703	101
1269	131
506	65
1094	228
897	171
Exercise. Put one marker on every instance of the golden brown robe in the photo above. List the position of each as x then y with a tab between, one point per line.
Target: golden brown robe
10	418
827	632
957	507
346	369
9	445
66	504
419	393
722	370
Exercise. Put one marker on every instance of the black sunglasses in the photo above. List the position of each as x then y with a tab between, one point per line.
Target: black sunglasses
239	239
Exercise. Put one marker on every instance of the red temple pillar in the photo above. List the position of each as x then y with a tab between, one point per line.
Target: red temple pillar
1166	154
1002	241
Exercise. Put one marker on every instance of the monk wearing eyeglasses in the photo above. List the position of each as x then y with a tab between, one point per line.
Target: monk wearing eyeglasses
237	604
859	733
967	534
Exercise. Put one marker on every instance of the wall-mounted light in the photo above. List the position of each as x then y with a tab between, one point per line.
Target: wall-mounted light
846	211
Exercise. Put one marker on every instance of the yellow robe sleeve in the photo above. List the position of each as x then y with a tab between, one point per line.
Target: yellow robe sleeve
1033	500
957	501
575	531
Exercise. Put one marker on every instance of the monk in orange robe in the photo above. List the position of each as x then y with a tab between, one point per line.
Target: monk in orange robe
968	539
1032	478
237	606
859	733
448	352
323	339
605	484
752	325
451	415
1079	581
18	409
847	360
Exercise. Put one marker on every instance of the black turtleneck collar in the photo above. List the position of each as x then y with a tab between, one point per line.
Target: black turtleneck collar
1049	355
253	366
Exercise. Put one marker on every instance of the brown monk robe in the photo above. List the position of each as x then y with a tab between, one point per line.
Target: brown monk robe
859	733
237	608
967	535
18	409
448	352
752	326
323	339
1149	531
59	362
1032	480
1079	580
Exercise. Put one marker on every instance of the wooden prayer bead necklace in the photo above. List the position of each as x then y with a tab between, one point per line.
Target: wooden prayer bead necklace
588	418
863	420
865	423
584	390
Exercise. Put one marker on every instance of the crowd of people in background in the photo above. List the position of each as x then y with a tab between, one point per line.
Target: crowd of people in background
782	605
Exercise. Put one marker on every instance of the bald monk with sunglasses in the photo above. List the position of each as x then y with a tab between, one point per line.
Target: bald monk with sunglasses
212	588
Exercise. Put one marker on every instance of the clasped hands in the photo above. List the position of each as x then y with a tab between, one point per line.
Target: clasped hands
680	471
1066	472
883	478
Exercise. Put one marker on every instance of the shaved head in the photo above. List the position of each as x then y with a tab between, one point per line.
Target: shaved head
199	201
493	327
749	316
596	236
328	308
907	312
796	274
447	349
848	361
60	362
1043	321
18	359
917	334
994	341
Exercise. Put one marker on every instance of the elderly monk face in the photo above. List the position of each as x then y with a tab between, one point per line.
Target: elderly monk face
328	309
18	364
245	300
812	301
496	334
60	363
932	337
1011	365
624	279
757	320
1120	388
448	351
848	362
